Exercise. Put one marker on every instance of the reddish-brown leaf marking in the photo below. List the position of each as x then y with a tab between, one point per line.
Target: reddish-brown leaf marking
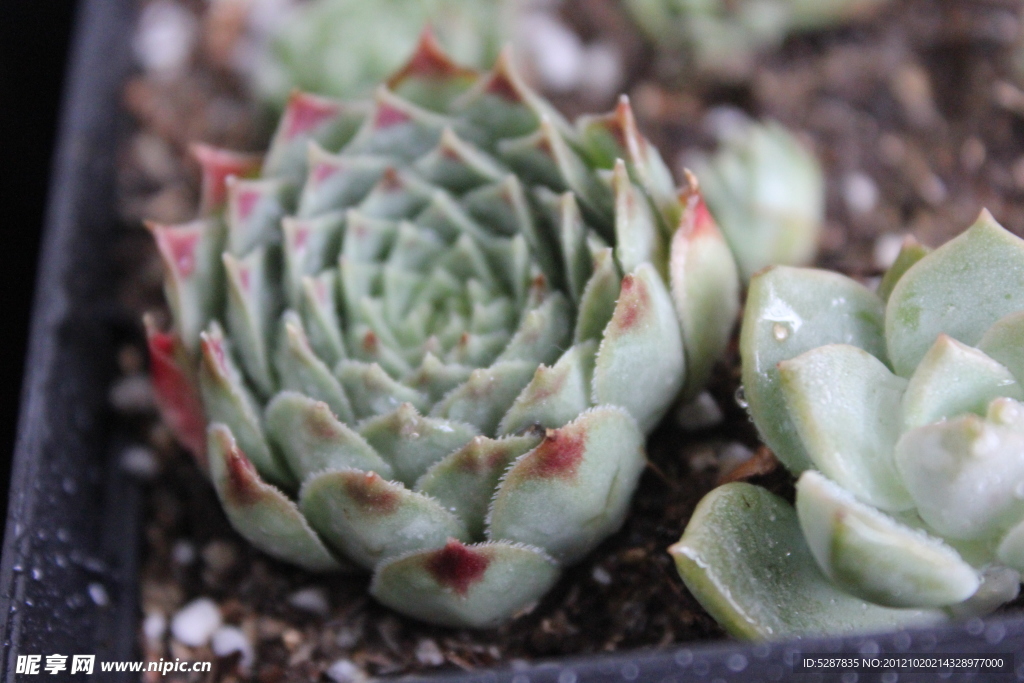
457	567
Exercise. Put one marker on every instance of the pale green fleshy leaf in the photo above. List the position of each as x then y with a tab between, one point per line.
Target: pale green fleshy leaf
640	362
372	391
744	558
960	289
574	489
475	586
337	182
999	585
369	519
413	443
572	233
435	378
597	303
1004	342
486	396
953	379
227	400
251	310
556	394
309	245
306	118
789	311
300	369
254	211
397	128
873	556
638	236
465	480
845	405
543	333
318	305
261	513
1011	548
911	252
312	438
976	462
458	166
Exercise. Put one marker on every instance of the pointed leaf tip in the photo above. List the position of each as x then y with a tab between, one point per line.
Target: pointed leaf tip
176	391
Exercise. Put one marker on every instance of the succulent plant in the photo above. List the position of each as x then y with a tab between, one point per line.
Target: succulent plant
721	38
767	193
433	351
344	48
902	414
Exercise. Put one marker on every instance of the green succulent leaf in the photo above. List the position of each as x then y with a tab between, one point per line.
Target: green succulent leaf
910	253
790	311
1004	342
744	558
873	556
479	585
961	289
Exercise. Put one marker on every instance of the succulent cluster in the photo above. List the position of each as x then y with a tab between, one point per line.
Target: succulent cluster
721	38
767	193
901	411
344	48
426	335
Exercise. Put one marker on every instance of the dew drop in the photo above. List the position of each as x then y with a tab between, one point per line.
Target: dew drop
736	662
741	398
780	331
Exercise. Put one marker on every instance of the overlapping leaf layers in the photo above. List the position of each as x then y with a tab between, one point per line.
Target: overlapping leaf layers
902	413
435	353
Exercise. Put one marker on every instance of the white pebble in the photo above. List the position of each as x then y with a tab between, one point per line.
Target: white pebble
195	622
140	462
345	671
602	71
859	192
183	552
154	626
887	248
732	456
600	575
313	600
701	413
428	653
555	51
229	639
99	594
166	34
132	394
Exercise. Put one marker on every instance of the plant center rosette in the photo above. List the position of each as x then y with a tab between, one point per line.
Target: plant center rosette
901	411
427	335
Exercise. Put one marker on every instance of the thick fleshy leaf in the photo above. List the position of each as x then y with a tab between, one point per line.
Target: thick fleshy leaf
254	211
597	302
1004	342
250	314
845	405
313	439
217	165
543	333
487	395
1011	549
430	78
309	245
474	586
260	512
873	556
369	519
638	236
976	462
464	481
372	391
999	585
318	305
556	394
411	442
306	118
300	369
435	378
789	311
459	166
911	252
572	234
338	181
227	400
953	379
640	361
960	289
573	490
192	282
705	287
398	128
744	558
176	390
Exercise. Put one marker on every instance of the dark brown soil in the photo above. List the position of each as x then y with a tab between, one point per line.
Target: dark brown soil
922	100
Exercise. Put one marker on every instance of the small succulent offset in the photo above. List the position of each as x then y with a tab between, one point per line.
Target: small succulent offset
344	48
902	414
721	37
767	193
434	354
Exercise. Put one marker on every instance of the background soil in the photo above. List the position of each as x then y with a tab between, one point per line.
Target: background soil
918	119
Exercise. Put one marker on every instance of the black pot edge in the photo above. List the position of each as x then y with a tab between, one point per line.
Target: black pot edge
68	570
64	410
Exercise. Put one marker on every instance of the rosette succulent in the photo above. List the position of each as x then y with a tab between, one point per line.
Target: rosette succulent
721	38
429	333
767	193
902	414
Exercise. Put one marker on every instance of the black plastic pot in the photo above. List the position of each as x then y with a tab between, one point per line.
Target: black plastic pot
68	577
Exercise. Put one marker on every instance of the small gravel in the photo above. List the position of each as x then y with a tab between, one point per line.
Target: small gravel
196	622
